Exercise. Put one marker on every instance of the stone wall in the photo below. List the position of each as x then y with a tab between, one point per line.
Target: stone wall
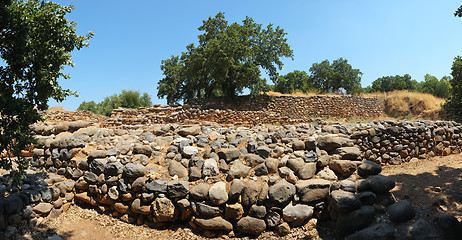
229	179
249	111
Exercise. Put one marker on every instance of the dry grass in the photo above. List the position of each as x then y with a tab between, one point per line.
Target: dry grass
405	103
56	109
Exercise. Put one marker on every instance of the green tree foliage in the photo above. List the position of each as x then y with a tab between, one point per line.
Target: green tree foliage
293	81
391	83
35	44
333	77
228	59
454	104
127	99
432	85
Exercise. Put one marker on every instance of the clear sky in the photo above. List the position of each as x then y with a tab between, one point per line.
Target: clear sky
381	38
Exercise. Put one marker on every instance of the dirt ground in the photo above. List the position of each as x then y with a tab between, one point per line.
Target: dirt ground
432	186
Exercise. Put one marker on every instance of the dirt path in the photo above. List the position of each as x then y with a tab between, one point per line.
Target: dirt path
422	182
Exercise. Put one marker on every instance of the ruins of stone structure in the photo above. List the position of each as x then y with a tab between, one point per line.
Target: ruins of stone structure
222	177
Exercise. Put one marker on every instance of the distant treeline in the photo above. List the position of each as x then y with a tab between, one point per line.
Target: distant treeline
127	99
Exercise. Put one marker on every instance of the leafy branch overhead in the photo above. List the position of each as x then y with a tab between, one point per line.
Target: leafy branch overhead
35	44
227	59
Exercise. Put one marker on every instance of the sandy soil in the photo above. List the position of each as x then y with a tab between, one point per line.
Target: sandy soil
432	186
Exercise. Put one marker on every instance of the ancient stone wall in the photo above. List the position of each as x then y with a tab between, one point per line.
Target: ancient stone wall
249	111
228	179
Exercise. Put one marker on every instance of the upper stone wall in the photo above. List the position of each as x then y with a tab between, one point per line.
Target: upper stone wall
247	110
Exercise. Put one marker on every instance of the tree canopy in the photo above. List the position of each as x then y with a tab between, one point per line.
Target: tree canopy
391	83
432	85
35	44
228	59
333	77
127	99
293	81
454	104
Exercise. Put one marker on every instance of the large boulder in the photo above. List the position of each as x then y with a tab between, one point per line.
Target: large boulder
282	192
381	231
312	190
134	170
251	225
297	214
331	142
401	211
216	223
193	130
343	201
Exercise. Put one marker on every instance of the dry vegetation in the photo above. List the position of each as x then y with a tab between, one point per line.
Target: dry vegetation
410	104
56	109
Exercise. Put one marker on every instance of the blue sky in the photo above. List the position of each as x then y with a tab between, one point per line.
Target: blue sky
381	38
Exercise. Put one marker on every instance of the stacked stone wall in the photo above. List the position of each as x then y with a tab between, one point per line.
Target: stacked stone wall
228	179
250	111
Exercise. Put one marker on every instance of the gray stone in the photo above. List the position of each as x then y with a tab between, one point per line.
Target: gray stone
142	149
176	168
43	208
368	168
401	211
380	183
216	223
381	231
113	169
97	154
272	219
343	201
138	184
307	171
98	165
348	185
229	154
298	145
238	169
137	207
177	189
210	168
343	167
156	187
200	191
90	177
134	170
312	190
193	130
295	164
189	151
282	192
257	211
46	194
297	214
218	194
205	211
354	221
254	159
272	165
251	225
261	170
263	151
235	190
249	193
310	157
195	173
331	142
367	198
348	153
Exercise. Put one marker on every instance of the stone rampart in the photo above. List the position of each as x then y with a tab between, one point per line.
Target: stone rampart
229	179
250	111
